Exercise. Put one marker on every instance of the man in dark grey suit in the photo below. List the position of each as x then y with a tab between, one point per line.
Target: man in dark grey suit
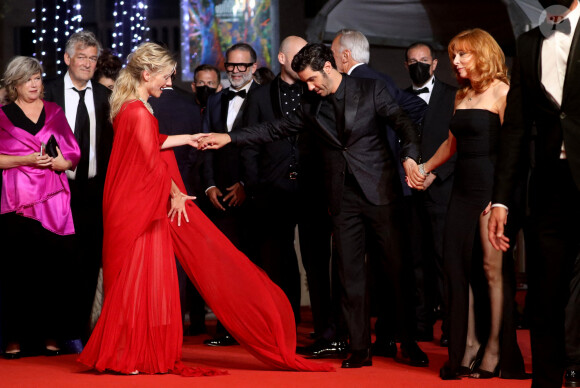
429	207
86	106
544	95
349	116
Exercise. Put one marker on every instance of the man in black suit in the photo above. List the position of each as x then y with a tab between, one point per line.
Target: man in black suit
429	207
349	116
178	114
544	94
223	171
272	177
86	106
351	53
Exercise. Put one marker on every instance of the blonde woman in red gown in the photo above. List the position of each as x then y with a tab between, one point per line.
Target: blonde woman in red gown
148	220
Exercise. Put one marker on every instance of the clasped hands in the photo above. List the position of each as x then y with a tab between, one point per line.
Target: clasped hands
58	163
414	178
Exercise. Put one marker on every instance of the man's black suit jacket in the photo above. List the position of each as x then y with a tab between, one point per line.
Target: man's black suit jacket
267	165
434	130
54	91
364	148
528	105
179	114
222	168
412	105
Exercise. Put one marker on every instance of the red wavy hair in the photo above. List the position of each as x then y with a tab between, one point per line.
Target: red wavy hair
488	64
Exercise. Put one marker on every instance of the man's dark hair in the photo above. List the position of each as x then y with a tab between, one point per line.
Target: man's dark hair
419	44
108	65
206	67
243	47
314	55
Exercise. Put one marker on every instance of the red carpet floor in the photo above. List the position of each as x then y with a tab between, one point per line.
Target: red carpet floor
245	371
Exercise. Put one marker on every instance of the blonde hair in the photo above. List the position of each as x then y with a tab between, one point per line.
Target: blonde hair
18	71
488	64
149	57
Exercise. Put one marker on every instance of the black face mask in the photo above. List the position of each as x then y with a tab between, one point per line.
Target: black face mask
419	73
563	3
202	93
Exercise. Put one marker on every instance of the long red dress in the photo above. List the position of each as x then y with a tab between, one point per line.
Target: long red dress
140	326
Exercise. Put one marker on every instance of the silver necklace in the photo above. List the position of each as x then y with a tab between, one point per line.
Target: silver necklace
149	108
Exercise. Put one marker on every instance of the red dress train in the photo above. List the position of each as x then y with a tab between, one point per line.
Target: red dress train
140	326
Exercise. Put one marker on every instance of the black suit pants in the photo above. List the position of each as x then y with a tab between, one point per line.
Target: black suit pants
357	221
553	249
83	271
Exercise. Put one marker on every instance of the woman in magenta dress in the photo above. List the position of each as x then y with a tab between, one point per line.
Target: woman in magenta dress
147	221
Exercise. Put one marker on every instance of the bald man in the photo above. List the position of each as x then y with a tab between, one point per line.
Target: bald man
273	177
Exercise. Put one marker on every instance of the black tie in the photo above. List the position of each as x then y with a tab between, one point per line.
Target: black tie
83	136
419	91
549	28
231	94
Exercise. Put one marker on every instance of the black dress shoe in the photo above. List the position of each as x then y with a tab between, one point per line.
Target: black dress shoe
444	341
52	352
11	356
572	378
324	348
358	359
412	354
384	348
447	373
226	340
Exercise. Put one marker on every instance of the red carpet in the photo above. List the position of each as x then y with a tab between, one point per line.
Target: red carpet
245	371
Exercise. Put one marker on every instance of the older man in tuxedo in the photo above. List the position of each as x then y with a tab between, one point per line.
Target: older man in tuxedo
349	116
223	170
429	207
86	106
544	95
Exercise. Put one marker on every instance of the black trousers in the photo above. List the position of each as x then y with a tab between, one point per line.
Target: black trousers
275	219
35	296
357	221
83	269
553	249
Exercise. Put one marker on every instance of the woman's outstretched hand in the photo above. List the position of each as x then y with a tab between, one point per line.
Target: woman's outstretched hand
178	207
195	139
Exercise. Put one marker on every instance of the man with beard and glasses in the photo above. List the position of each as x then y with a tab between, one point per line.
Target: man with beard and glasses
428	208
206	82
544	102
223	171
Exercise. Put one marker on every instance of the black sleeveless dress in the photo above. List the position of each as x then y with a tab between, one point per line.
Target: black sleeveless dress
476	132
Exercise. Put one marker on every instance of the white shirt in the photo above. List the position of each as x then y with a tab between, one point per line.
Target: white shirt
429	85
71	103
235	105
354	67
555	51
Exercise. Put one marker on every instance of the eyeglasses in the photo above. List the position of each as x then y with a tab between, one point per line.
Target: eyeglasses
242	67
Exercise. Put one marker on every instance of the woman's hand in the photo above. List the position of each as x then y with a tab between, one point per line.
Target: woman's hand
60	163
194	139
38	161
178	201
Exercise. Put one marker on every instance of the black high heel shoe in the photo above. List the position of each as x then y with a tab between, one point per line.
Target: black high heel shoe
485	374
466	371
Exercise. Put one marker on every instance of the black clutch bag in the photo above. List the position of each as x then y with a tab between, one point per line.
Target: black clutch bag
51	147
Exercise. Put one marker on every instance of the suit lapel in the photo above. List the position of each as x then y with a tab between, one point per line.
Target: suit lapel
573	66
224	111
351	98
275	98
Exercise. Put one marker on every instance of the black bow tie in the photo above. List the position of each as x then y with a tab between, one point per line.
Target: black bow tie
231	94
419	91
549	28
